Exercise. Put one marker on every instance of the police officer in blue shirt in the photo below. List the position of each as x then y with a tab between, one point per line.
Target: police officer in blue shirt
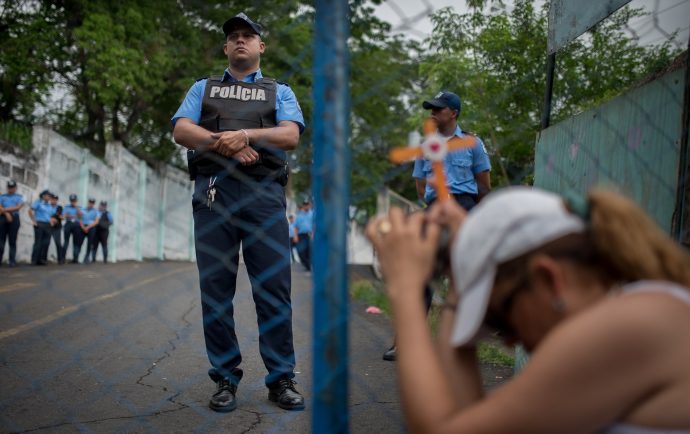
105	220
10	204
72	216
237	127
40	213
468	171
56	227
304	224
89	221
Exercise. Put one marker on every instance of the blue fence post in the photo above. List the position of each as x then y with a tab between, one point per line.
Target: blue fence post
331	190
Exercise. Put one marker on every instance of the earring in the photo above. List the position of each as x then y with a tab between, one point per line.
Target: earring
558	305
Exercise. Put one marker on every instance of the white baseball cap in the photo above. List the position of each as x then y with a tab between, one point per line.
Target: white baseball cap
503	226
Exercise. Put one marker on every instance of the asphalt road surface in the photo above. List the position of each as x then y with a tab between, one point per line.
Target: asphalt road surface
119	348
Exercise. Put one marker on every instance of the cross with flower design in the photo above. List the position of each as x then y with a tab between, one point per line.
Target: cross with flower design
434	147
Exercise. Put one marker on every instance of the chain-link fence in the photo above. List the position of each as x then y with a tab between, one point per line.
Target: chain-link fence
125	346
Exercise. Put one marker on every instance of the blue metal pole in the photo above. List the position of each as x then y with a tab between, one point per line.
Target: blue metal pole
331	190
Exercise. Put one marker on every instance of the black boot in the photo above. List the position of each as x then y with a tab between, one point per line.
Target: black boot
390	355
223	400
283	393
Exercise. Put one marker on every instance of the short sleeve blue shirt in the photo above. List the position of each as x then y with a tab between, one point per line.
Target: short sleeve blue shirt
287	107
11	200
71	213
89	216
459	166
304	221
42	211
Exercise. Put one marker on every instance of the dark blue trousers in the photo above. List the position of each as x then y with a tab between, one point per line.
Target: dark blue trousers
41	243
73	229
9	231
250	214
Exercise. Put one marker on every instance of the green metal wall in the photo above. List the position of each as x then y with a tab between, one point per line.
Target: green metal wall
631	142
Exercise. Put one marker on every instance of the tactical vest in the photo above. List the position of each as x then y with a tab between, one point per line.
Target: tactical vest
236	105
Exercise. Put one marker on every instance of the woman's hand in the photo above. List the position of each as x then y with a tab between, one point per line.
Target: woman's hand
449	214
406	247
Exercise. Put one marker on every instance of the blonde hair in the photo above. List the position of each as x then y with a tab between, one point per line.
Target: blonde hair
633	245
622	244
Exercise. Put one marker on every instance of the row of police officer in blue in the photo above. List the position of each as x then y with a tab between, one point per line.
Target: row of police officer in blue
51	220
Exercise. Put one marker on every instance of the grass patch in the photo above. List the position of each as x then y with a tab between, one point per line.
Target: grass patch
494	353
374	294
371	293
17	134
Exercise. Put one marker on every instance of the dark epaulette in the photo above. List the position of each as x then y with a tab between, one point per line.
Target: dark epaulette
283	83
202	78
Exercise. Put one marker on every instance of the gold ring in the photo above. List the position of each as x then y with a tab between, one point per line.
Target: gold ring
384	227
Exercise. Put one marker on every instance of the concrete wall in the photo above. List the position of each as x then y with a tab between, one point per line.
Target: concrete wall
151	207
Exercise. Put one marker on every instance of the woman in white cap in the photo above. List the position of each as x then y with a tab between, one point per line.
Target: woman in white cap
599	297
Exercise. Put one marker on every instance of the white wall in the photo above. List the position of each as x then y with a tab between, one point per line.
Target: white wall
151	207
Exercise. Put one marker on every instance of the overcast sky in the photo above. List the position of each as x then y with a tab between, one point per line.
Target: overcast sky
411	17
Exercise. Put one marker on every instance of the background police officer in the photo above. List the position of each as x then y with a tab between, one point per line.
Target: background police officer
105	220
72	215
10	204
89	221
56	228
239	127
40	213
304	225
468	175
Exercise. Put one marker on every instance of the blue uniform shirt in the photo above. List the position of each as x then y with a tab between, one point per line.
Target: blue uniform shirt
89	216
9	200
42	211
287	107
291	228
71	213
304	221
459	166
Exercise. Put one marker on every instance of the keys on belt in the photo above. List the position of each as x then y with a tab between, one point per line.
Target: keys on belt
211	192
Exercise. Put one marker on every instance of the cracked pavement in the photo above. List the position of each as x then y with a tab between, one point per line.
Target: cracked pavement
129	356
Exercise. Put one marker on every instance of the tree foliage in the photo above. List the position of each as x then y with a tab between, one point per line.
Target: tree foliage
496	63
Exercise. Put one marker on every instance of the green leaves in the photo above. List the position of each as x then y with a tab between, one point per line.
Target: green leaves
496	63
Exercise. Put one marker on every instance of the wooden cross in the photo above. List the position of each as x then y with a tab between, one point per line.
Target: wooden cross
434	147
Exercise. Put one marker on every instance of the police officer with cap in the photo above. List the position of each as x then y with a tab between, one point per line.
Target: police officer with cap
468	171
72	228
40	213
89	221
238	127
10	204
56	227
102	231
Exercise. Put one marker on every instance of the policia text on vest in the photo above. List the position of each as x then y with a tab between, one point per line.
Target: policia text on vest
234	106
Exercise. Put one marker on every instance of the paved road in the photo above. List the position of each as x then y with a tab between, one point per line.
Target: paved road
119	348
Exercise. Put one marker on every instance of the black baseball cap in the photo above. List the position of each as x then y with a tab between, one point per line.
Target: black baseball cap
72	196
443	99
230	24
54	196
44	192
11	183
104	203
92	200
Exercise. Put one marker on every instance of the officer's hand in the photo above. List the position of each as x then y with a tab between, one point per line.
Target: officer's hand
246	156
228	142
